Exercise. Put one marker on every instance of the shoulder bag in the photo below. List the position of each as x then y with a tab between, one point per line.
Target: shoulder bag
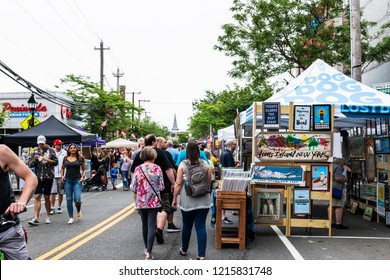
147	179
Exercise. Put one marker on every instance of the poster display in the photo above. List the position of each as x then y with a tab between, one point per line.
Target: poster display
302	202
320	177
294	146
302	117
380	199
322	117
271	115
278	174
268	208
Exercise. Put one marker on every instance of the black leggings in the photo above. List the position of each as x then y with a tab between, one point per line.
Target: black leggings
148	218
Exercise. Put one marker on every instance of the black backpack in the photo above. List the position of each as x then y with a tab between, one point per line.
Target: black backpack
197	179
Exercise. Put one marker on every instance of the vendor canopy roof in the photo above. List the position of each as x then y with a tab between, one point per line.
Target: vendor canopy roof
322	84
52	129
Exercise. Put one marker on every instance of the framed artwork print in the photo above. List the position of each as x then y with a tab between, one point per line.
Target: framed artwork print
354	207
302	117
271	115
368	212
320	177
268	206
322	117
302	201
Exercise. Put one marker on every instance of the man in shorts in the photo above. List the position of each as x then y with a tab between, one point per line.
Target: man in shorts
43	159
58	185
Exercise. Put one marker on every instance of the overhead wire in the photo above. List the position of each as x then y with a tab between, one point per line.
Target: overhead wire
51	36
67	24
26	84
27	56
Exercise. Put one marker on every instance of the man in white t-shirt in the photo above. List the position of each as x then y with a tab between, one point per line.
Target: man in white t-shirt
57	187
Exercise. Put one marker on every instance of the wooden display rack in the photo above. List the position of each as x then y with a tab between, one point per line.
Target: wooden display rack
287	189
231	201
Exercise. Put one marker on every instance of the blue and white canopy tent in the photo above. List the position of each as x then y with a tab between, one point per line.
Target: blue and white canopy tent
354	102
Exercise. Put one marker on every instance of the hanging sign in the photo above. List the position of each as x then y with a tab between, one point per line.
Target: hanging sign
271	115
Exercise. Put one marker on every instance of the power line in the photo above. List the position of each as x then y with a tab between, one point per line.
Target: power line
51	36
66	23
86	20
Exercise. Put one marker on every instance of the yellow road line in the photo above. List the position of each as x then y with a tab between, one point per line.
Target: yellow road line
85	240
78	237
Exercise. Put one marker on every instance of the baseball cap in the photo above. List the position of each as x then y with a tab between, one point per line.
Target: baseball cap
57	142
41	139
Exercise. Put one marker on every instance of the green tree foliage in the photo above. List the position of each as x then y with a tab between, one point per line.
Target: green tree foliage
220	109
100	105
271	37
3	116
148	126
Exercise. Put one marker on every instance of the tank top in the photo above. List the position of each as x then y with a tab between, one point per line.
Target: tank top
7	196
72	169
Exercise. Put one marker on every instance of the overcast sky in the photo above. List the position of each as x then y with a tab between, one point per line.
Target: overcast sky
164	48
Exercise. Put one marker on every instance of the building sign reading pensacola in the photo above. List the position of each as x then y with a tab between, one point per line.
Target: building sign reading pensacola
23	110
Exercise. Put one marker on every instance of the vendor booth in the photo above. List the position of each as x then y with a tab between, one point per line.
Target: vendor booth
294	135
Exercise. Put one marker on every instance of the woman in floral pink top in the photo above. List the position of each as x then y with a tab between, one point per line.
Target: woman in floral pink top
148	199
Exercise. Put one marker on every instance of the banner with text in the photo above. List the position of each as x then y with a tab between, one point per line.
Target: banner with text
294	146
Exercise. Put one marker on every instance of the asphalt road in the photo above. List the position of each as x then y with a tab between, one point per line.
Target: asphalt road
111	230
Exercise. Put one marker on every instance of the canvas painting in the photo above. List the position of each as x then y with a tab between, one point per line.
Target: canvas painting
268	208
319	177
278	174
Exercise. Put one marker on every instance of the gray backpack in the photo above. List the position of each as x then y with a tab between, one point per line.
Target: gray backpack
196	183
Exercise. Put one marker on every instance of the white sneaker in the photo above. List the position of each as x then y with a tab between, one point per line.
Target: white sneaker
59	210
71	221
52	211
47	221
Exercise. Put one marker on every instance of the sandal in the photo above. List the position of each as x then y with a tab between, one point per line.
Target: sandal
149	256
201	258
182	253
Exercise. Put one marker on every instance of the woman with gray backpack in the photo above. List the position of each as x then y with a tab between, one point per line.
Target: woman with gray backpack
193	185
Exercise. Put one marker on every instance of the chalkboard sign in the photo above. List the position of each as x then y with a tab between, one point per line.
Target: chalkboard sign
271	115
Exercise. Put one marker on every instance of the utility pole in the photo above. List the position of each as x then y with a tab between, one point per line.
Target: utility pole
356	50
101	49
117	75
139	106
132	111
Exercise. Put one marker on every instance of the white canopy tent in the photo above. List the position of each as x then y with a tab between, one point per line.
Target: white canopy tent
226	133
120	143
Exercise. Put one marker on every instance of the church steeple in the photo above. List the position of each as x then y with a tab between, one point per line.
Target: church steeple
175	128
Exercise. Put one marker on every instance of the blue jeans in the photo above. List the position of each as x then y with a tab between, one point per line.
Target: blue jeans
73	193
125	179
197	217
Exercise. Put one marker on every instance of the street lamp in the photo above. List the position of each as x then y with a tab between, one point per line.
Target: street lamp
32	105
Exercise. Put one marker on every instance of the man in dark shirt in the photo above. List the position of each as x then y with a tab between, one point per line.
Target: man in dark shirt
169	180
228	161
227	156
43	159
